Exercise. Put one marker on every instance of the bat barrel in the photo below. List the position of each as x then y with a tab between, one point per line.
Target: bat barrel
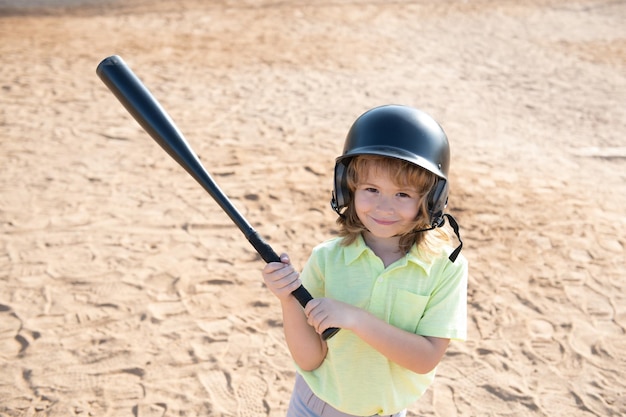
147	111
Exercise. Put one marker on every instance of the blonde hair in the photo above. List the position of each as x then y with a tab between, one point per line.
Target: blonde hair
403	174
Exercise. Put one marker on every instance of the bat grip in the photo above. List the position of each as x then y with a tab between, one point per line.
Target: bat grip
302	295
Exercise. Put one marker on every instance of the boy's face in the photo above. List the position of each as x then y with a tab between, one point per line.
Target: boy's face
386	209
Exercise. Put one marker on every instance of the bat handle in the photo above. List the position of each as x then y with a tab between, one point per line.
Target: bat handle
302	295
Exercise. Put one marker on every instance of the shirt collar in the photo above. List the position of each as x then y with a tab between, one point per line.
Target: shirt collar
358	248
355	250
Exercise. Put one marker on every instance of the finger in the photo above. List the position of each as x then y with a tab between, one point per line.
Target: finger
285	276
311	305
319	324
287	283
276	278
284	258
314	315
270	268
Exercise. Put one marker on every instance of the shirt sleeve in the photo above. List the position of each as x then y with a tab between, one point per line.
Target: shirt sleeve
312	276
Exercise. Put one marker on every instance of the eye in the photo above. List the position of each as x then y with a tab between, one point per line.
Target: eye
371	189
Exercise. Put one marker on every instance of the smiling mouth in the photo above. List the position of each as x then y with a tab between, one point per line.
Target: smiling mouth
384	222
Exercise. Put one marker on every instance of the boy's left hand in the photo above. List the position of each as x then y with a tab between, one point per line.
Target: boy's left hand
323	313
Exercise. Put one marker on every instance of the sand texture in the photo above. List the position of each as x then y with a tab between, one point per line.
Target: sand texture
124	289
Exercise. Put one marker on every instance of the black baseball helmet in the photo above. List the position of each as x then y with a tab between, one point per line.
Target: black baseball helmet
398	132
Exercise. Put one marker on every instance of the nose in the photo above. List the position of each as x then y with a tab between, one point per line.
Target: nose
385	204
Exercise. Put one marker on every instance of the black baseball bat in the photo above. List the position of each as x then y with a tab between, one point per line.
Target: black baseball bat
147	111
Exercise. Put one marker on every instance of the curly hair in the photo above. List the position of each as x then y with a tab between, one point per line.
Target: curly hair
403	174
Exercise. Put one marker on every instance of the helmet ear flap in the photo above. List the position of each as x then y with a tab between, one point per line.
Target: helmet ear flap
341	191
437	201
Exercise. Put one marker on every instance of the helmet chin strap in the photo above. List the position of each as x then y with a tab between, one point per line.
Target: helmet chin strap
455	227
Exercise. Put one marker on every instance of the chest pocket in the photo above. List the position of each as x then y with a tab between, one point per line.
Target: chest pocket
408	309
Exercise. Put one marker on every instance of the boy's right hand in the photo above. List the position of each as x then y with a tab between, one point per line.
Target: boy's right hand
281	278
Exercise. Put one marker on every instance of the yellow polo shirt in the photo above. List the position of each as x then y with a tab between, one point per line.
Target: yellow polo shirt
428	298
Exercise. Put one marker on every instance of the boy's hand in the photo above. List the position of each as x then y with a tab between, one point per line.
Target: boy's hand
323	313
281	278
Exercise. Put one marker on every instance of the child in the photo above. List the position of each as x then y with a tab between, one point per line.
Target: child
390	281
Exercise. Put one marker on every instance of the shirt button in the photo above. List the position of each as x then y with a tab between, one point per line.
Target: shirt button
380	279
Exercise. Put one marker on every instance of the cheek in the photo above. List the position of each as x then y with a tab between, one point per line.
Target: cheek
407	208
361	208
411	211
361	201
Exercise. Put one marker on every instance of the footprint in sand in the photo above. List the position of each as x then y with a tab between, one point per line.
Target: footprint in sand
11	324
542	344
246	400
218	385
493	392
150	410
250	395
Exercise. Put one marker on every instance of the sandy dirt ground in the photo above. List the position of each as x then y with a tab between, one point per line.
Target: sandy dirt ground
125	291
